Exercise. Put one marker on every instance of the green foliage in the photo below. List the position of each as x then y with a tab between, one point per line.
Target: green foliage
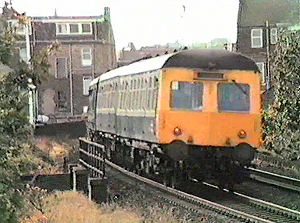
283	119
14	126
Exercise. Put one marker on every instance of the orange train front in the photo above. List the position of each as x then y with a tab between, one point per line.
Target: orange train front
210	109
200	108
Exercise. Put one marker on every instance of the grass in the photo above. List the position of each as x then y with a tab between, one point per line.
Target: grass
74	207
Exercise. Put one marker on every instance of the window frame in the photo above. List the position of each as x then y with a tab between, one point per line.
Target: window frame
84	78
15	25
257	37
68	28
56	75
74	24
90	25
184	109
275	35
86	62
232	111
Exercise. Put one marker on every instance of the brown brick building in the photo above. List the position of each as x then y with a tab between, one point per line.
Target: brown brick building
86	49
130	54
258	25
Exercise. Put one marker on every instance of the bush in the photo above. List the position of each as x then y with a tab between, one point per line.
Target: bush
282	125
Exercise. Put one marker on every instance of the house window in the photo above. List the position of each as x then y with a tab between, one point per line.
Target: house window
261	67
86	57
61	101
23	54
86	28
16	27
61	68
61	28
256	38
273	35
74	28
86	83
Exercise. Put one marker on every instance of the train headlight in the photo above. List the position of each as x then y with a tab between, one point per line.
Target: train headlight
242	134
177	131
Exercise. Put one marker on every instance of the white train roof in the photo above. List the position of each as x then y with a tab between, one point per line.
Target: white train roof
137	67
134	68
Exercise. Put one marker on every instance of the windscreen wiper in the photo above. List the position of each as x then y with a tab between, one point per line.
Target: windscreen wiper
240	87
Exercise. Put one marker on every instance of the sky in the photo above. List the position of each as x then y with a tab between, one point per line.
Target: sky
149	22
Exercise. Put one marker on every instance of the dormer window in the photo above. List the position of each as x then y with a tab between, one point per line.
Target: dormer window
73	28
61	28
86	28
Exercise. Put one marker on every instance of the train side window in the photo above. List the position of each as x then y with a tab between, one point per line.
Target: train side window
150	92
111	95
143	93
186	96
139	95
126	95
122	96
234	97
154	92
134	95
108	95
131	95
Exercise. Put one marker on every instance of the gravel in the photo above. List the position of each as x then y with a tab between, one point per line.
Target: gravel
151	206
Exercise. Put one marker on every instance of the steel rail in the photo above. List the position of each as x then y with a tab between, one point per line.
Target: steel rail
216	207
191	198
292	214
285	182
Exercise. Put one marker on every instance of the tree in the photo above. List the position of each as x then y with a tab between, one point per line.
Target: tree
283	119
14	125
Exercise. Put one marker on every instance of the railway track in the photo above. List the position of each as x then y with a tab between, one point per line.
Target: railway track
285	182
235	205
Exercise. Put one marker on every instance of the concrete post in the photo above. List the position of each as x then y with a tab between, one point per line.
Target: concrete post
74	179
72	171
97	189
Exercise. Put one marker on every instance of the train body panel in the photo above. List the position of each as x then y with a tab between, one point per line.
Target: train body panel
200	107
127	106
201	121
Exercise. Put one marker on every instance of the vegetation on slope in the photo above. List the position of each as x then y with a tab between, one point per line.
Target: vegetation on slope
14	126
283	119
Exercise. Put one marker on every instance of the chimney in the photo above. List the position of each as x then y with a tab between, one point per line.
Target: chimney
107	12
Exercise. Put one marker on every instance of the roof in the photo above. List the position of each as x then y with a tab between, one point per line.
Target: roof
211	59
257	12
204	59
68	18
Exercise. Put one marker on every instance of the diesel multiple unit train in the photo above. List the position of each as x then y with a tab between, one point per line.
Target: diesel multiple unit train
193	113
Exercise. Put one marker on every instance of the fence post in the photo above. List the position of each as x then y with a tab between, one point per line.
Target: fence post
97	189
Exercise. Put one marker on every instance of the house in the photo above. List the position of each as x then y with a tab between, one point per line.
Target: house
258	26
86	50
130	54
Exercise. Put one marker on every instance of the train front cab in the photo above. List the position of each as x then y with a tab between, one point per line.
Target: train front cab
215	112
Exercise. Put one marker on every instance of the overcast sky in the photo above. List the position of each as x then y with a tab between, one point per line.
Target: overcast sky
149	22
